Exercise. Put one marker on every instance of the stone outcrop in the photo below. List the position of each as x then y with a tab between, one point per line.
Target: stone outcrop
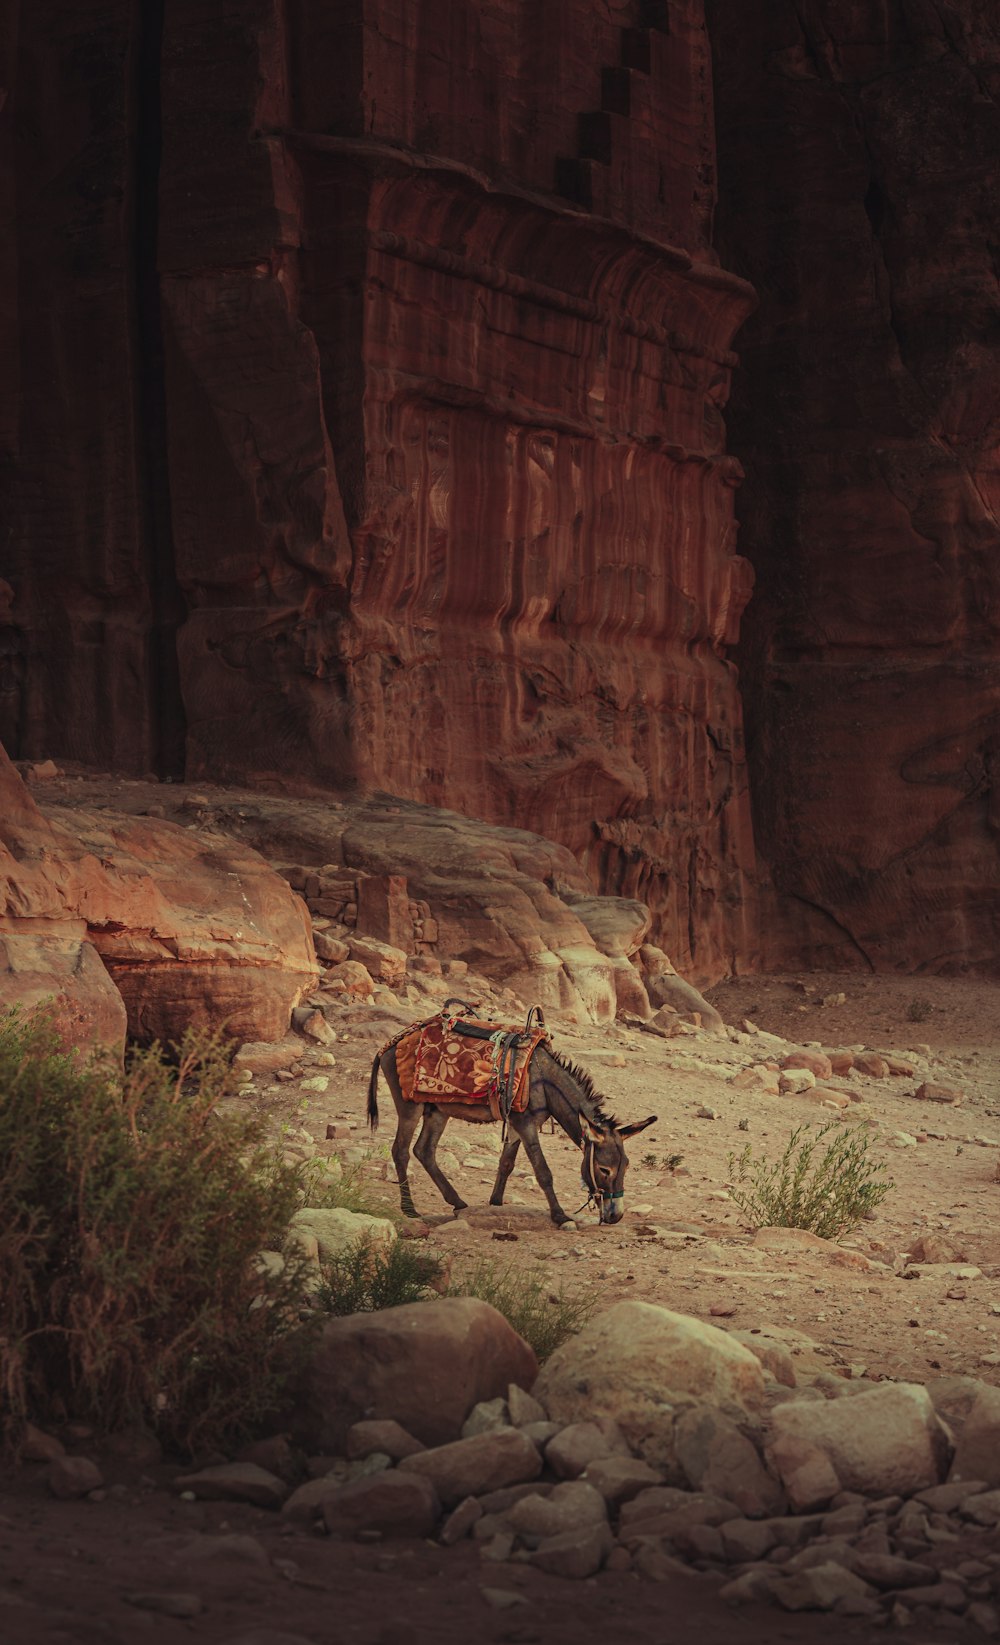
857	154
135	920
391	350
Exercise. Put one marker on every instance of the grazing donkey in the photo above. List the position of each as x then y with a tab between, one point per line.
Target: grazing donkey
558	1090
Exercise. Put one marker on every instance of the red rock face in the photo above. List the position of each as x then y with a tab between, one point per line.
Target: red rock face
858	156
396	420
122	921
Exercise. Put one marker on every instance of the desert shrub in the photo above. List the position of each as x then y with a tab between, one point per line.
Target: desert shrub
918	1010
131	1214
828	1197
370	1275
543	1317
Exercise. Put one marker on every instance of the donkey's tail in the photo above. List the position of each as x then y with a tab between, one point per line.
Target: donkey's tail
373	1093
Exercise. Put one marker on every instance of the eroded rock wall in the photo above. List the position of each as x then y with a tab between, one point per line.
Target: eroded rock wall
859	182
392	454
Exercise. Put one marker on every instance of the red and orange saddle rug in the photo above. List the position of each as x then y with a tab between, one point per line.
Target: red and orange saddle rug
437	1063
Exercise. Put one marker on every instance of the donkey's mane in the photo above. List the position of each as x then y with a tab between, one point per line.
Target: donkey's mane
592	1099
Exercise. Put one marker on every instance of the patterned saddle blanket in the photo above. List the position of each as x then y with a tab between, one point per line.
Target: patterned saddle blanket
437	1062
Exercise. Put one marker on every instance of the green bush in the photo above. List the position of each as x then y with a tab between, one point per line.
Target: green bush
131	1214
829	1197
371	1275
543	1317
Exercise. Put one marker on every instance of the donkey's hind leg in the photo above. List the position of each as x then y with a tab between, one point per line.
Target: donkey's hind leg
524	1125
506	1166
426	1152
407	1117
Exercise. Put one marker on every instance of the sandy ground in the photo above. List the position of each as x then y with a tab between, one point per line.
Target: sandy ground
67	1569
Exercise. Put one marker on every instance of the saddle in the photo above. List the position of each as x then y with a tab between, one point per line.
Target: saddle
451	1059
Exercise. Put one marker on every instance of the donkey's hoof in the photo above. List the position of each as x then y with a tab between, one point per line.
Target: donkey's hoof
457	1210
569	1225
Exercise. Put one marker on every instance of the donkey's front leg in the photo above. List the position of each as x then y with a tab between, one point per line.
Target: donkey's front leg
506	1166
425	1150
524	1125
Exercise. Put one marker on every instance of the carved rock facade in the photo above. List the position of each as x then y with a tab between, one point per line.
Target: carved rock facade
387	448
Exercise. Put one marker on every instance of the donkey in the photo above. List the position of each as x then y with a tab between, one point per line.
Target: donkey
558	1090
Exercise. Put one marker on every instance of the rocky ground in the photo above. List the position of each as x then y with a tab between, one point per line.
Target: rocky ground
913	1294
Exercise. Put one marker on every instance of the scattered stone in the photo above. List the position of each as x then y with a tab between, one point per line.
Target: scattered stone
774	1355
274	1454
796	1080
889	1571
387	1437
235	1482
486	1418
396	1504
37	1446
758	1078
718	1459
336	1230
568	1507
470	1467
523	1408
929	1092
886	1439
747	1539
313	1024
620	1478
71	1477
816	1062
870	1063
820	1588
936	1248
264	1057
579	1444
577	1553
330	948
502	1599
792	1240
460	1521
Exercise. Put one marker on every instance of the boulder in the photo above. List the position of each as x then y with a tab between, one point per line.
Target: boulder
235	1482
887	1440
817	1062
569	1506
471	1467
395	1504
639	1364
424	1365
666	988
365	1439
977	1454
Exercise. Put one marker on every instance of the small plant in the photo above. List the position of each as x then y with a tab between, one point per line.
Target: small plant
649	1161
672	1161
918	1010
371	1275
545	1319
828	1197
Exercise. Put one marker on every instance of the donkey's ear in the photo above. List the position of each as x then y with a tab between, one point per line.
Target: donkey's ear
640	1125
590	1132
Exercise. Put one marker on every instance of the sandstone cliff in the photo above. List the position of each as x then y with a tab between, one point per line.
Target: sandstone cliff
368	419
860	194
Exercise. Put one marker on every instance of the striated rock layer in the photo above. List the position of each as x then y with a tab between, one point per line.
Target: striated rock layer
858	154
392	455
118	922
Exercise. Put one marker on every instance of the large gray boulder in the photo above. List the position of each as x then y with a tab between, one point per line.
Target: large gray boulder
640	1366
423	1365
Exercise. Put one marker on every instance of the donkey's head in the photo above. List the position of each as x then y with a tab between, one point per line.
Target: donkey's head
605	1163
